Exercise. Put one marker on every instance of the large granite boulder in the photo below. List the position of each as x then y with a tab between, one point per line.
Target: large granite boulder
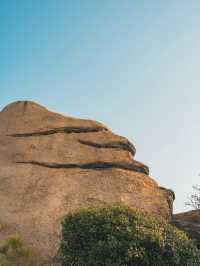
51	165
190	223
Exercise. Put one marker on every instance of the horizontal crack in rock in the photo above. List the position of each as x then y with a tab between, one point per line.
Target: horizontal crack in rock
135	166
114	144
67	130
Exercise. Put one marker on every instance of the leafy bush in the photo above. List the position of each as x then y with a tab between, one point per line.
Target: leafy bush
14	253
121	236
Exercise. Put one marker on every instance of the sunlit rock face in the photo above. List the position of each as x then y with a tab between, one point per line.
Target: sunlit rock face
51	165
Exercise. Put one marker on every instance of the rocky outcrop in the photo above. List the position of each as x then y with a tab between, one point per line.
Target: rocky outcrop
52	165
190	223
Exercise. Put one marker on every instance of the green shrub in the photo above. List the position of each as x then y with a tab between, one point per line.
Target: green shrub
14	252
121	236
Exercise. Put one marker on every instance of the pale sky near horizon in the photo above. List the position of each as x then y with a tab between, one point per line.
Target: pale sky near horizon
132	64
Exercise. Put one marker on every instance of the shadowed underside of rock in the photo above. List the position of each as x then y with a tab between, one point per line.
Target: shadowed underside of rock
190	223
52	165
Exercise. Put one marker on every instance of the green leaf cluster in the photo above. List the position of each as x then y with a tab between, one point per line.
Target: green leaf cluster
122	236
14	252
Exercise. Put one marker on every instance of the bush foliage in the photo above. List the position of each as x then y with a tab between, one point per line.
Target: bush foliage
14	252
121	236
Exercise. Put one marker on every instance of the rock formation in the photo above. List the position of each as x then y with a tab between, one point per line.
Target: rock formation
51	165
190	223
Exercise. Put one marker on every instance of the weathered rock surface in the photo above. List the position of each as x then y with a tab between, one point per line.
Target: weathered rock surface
190	223
51	165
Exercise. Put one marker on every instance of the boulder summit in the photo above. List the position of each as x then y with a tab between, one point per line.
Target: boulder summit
52	164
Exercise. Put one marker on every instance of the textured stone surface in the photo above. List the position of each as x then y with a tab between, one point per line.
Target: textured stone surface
190	223
51	165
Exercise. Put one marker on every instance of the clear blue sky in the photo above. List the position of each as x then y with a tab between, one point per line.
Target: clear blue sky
131	64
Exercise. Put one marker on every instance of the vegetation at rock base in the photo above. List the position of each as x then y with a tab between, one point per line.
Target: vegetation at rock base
15	253
121	236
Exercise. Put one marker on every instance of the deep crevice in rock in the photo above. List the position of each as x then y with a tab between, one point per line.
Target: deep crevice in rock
135	166
114	145
67	130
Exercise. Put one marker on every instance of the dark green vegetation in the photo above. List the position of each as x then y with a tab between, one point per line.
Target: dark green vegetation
121	236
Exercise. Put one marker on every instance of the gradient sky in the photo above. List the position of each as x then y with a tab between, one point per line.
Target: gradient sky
132	64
